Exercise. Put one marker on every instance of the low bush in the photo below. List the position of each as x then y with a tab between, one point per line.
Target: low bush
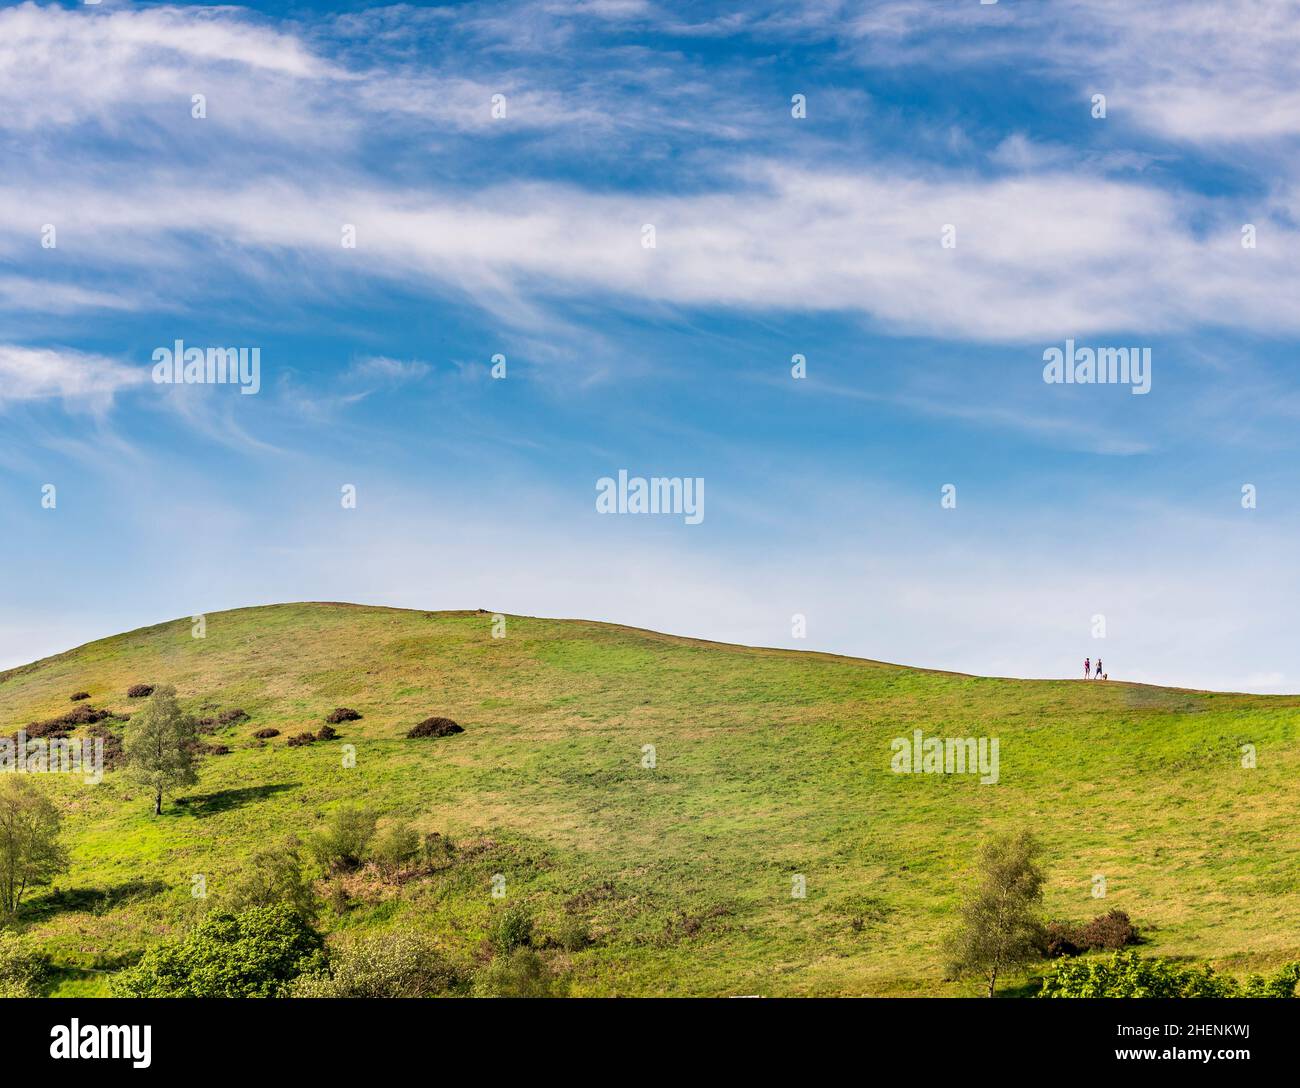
396	846
77	696
437	850
232	716
342	843
403	964
256	953
434	727
114	753
23	968
521	973
275	876
1126	974
513	929
1061	939
572	934
326	732
266	734
342	714
1109	932
85	714
299	739
139	691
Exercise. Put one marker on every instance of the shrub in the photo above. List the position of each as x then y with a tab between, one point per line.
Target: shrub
572	934
231	717
1126	974
77	696
23	969
202	749
435	727
275	876
1109	931
396	846
1062	939
513	929
342	714
521	973
266	734
255	953
403	964
326	732
85	714
1282	984
438	850
342	843
300	739
139	691
114	753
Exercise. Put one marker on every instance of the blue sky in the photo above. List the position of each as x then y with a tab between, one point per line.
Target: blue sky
775	235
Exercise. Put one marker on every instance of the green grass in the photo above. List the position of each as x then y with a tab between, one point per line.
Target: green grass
770	763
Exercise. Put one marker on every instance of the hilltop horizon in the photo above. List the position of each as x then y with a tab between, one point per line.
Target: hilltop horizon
8	668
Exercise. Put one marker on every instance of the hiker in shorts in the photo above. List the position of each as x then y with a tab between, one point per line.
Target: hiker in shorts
1098	666
1087	668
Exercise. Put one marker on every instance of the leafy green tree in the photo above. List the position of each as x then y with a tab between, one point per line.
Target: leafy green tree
31	854
256	953
1000	927
160	742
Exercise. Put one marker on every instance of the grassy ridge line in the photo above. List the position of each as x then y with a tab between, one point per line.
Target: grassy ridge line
771	762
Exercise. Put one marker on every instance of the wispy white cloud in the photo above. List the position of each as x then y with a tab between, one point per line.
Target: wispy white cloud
1037	256
79	379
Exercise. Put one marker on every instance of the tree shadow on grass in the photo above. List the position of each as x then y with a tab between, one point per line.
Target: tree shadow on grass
91	900
1029	988
208	804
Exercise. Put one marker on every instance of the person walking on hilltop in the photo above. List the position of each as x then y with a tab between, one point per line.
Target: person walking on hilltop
1087	668
1098	667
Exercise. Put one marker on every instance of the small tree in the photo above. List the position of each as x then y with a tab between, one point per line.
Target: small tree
343	842
160	742
275	875
1000	928
30	851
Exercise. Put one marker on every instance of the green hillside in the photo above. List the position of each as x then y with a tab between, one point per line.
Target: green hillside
770	763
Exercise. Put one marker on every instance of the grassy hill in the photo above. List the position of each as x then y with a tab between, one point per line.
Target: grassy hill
770	763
